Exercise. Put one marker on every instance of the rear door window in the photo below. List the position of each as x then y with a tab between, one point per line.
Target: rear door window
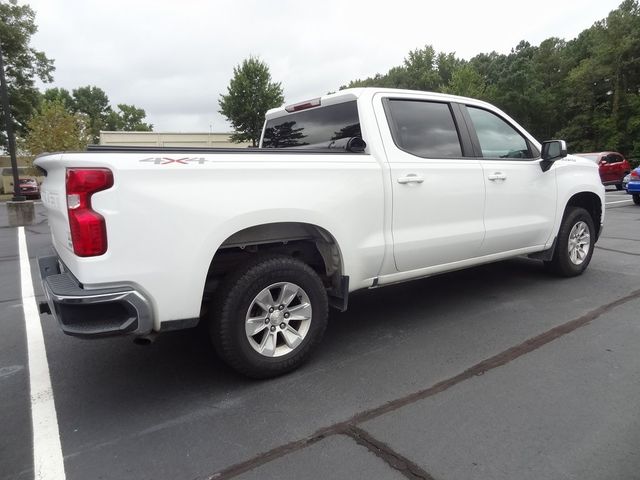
323	127
422	128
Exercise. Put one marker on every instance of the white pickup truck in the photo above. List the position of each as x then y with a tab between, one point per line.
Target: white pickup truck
358	189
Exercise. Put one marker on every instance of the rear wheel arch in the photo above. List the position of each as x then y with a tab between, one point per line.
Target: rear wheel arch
310	243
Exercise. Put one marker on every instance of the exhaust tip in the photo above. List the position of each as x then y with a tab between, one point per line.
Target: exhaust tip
44	308
143	341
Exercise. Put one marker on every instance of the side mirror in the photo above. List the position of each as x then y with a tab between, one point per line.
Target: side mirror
356	145
552	150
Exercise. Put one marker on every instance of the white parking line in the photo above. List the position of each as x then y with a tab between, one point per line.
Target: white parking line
619	201
48	463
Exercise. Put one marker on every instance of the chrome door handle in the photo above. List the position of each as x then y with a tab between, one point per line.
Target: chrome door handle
497	176
411	178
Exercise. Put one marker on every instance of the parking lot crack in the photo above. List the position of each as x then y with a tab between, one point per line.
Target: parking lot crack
618	251
621	238
392	458
11	300
266	457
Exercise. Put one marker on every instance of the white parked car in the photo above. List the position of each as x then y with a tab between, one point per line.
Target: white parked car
358	189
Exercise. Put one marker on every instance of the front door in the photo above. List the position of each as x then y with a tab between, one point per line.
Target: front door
521	199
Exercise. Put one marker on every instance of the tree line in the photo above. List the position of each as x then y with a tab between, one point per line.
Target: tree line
55	119
585	91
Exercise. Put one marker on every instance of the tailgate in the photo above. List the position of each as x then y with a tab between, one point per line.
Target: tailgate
54	198
53	192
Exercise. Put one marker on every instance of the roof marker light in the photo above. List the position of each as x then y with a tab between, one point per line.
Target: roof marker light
296	107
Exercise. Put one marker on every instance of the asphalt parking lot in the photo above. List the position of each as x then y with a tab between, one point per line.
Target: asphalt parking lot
497	372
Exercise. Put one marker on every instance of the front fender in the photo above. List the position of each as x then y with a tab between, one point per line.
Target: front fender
575	176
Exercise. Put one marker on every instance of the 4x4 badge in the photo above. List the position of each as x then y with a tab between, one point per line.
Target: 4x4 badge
167	160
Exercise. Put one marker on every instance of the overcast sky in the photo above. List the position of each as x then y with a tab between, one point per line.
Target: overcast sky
174	58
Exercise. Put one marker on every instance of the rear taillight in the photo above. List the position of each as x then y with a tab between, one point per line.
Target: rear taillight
635	175
88	229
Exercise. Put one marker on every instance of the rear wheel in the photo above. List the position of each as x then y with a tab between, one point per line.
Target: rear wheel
575	243
269	316
618	186
636	198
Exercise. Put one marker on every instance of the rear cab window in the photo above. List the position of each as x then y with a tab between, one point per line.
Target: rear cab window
328	126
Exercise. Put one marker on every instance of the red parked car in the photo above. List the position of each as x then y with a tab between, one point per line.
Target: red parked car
612	165
29	188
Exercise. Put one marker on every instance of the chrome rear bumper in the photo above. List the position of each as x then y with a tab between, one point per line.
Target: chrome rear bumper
90	313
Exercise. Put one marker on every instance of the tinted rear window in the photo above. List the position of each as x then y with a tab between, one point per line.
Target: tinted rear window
320	127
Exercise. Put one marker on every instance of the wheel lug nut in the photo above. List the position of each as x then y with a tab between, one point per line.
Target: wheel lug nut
271	310
281	307
282	325
266	320
286	315
273	328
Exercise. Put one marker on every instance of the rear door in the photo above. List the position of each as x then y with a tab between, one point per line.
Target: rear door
521	199
438	194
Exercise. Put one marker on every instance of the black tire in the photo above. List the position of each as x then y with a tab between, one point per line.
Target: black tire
618	186
562	264
232	303
636	198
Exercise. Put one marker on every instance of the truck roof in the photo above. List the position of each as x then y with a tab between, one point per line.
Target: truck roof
355	93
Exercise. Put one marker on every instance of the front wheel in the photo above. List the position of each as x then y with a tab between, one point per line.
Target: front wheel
269	316
636	198
575	243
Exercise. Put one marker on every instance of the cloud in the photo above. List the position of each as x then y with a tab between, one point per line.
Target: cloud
174	59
